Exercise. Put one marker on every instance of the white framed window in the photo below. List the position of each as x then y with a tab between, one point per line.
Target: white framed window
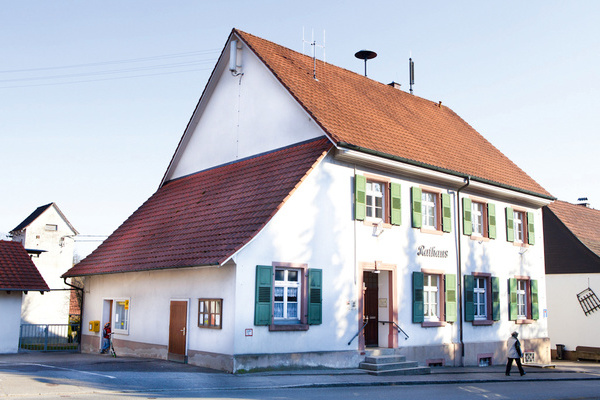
375	200
480	298
429	204
51	227
121	315
521	299
478	218
286	295
431	297
519	226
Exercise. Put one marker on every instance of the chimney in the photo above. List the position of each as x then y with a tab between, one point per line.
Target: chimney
395	85
583	201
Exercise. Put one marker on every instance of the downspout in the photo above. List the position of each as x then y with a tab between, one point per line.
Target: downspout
80	311
459	271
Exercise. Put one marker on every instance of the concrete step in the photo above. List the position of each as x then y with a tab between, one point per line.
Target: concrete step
388	366
403	371
384	359
380	351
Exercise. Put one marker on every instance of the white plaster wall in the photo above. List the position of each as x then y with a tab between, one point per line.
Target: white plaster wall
506	260
50	308
316	227
10	310
150	293
567	323
241	116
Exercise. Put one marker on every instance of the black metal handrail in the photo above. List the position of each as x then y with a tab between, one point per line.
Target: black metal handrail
397	328
359	331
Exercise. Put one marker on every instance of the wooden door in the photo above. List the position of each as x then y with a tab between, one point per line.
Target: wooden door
370	308
178	331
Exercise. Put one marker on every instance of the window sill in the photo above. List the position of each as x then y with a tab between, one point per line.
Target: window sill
289	327
433	324
524	321
483	322
372	222
480	238
431	231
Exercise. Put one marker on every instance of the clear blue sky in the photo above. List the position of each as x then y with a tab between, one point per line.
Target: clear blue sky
95	95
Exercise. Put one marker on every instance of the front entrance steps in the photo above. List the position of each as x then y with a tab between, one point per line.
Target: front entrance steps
382	361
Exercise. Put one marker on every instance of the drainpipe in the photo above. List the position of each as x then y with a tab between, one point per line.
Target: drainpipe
80	311
459	271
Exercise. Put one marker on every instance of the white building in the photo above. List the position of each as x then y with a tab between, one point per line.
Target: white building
48	234
302	203
19	278
572	246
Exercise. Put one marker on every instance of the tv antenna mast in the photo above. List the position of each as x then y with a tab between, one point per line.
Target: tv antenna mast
411	73
314	45
365	55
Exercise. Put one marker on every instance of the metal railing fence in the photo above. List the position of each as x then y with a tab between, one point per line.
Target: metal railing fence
49	337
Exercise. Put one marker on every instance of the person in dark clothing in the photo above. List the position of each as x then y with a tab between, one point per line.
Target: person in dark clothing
514	353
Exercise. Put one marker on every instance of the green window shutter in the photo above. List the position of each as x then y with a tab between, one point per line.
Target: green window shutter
263	296
450	289
418	311
360	197
416	207
446	213
535	308
495	298
512	299
510	227
467	224
315	296
491	209
530	229
469	298
396	202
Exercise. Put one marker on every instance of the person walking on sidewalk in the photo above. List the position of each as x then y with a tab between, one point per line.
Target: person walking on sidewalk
106	332
514	353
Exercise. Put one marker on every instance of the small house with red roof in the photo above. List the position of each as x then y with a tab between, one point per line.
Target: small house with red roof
572	247
19	278
310	215
49	236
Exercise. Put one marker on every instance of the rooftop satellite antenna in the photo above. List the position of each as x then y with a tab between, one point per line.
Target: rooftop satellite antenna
314	45
365	55
411	73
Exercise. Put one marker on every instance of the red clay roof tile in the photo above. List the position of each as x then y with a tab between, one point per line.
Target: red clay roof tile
17	271
356	111
204	218
582	221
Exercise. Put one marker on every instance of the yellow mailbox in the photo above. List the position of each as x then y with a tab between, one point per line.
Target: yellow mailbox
94	326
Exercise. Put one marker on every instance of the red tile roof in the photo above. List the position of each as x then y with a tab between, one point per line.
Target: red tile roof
582	221
204	218
357	112
17	271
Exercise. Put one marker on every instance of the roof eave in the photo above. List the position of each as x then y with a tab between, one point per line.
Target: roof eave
354	153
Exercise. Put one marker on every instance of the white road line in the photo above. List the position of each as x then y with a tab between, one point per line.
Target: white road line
69	369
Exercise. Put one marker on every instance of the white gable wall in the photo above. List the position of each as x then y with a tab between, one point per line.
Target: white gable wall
10	310
57	258
240	116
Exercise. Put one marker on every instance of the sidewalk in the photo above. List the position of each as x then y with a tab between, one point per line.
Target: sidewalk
151	369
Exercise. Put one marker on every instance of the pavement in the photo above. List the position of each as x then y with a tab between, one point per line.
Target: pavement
104	372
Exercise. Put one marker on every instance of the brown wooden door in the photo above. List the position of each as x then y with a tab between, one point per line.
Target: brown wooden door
177	331
370	308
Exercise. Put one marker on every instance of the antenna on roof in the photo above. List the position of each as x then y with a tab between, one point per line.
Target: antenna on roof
314	45
411	73
365	55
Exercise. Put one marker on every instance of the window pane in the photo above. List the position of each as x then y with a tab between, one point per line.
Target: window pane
279	275
292	294
292	310
201	305
217	320
278	310
293	276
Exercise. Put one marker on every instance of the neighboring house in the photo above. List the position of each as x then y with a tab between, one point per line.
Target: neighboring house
50	238
572	246
19	278
302	203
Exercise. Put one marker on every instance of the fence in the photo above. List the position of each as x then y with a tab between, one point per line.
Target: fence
49	337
